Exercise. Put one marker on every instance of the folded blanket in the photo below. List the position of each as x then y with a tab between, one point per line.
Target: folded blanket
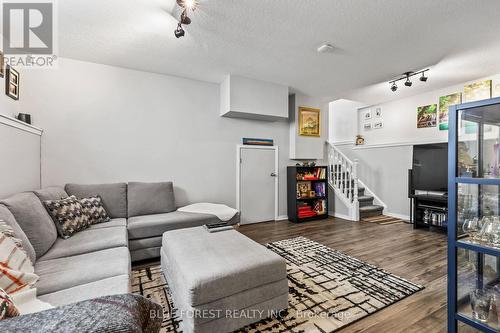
223	212
117	314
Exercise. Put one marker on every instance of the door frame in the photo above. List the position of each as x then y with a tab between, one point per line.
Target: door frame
276	179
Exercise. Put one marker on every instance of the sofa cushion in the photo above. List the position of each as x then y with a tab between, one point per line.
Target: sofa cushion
110	286
36	223
94	209
63	273
6	216
114	196
51	193
67	215
112	223
89	240
150	198
155	225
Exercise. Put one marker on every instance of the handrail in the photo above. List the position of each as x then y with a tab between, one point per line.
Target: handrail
343	178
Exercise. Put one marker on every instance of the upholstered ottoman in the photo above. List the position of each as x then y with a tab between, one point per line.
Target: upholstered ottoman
222	281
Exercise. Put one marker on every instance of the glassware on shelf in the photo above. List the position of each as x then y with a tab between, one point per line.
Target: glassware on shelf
480	302
471	227
485	235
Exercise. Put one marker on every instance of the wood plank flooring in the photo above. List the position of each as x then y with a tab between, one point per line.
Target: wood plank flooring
417	255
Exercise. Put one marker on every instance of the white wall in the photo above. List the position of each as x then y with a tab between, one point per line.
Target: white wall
385	158
400	118
109	124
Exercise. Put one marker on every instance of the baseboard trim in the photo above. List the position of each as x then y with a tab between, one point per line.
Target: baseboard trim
340	216
398	216
282	218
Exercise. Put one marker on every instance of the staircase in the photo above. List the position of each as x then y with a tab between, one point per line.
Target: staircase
343	180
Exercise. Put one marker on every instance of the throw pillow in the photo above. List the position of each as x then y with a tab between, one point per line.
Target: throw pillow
16	269
94	209
7	307
67	215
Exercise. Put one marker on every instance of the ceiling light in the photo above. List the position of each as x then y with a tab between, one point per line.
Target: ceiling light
406	76
188	4
179	32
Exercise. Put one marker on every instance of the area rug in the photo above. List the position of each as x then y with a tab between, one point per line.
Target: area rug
382	220
327	290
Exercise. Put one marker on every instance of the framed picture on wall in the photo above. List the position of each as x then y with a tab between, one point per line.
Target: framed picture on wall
309	121
427	116
2	64
378	112
477	91
12	83
367	126
367	115
444	103
378	125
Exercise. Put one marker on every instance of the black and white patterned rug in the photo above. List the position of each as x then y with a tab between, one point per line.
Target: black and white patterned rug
327	289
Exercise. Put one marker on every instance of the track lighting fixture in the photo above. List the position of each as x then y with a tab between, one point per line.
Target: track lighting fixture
179	32
423	78
186	5
406	76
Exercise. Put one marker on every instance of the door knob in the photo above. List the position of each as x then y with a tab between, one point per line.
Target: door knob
273	174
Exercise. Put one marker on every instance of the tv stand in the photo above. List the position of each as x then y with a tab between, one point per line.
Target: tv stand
430	211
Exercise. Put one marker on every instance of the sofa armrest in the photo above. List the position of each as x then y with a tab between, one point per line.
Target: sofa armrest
119	313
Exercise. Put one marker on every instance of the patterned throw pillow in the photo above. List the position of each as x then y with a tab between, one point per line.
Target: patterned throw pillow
68	215
16	269
7	307
93	208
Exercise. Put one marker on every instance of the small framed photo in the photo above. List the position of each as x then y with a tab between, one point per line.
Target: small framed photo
378	125
12	83
367	126
378	112
367	114
2	65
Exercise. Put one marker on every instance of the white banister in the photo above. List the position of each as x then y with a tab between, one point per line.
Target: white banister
344	179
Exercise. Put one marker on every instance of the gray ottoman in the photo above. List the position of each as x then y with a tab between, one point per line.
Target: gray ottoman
222	281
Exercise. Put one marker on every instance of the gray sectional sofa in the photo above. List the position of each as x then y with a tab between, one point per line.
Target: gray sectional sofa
97	261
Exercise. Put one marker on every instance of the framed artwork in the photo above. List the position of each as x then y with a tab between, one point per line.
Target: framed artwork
367	115
477	91
496	87
444	103
12	83
378	125
2	64
309	121
427	116
378	112
367	126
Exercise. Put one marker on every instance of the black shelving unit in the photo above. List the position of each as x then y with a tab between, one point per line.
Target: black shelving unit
317	203
430	211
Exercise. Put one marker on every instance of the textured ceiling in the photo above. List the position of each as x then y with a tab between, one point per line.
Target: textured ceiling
276	40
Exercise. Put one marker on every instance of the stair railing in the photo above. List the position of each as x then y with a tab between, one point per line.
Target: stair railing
343	179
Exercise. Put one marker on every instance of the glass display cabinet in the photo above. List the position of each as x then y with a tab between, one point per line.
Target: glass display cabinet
474	217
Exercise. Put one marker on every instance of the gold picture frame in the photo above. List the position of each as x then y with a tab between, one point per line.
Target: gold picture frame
309	121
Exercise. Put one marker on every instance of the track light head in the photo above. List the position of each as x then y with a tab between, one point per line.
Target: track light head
394	87
184	18
423	78
179	32
408	83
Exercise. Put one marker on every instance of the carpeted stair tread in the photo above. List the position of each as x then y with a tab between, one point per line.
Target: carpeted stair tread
371	208
365	198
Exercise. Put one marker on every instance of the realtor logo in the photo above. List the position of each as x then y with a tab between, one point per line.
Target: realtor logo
29	33
28	28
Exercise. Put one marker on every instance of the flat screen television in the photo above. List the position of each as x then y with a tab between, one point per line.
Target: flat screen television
430	167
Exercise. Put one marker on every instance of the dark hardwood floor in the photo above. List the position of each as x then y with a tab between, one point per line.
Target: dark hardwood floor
417	255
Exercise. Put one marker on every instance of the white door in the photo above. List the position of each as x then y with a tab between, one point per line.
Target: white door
258	183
